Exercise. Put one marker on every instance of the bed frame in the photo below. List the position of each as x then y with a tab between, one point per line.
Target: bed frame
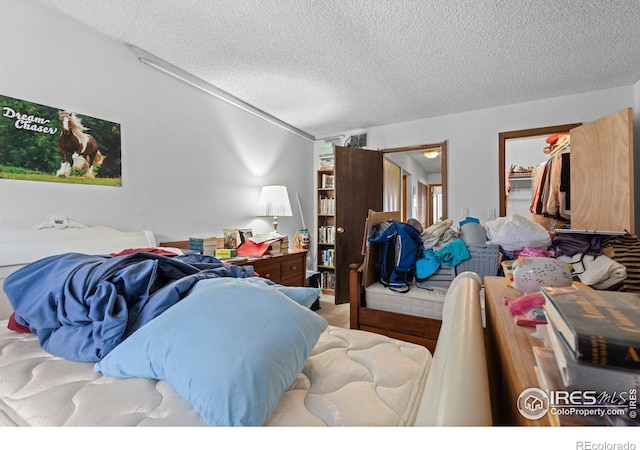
419	330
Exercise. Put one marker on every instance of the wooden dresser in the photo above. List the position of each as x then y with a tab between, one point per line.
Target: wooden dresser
289	269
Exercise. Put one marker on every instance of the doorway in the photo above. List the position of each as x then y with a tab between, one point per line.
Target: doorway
417	168
506	137
434	202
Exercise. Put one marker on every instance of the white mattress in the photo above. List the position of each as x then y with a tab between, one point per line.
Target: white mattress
417	302
351	378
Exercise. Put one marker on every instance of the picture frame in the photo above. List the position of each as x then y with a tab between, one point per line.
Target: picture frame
245	233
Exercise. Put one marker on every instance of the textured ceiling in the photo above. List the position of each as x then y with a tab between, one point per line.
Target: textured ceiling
326	66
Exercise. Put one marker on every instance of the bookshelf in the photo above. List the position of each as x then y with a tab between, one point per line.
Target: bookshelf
348	185
326	247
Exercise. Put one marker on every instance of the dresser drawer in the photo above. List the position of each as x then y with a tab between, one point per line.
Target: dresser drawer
270	270
289	269
292	267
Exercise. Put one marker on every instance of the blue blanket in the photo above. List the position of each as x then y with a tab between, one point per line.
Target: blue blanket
82	306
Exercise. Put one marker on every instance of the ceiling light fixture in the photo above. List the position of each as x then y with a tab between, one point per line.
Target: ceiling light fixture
169	69
431	154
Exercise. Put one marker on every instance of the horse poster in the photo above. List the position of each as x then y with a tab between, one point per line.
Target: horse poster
43	143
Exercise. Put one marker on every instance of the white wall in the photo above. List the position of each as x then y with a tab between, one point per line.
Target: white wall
190	163
472	139
194	164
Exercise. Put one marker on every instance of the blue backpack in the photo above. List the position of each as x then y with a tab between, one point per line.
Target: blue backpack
399	245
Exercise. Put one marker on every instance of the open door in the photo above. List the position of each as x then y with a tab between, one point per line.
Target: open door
358	189
602	183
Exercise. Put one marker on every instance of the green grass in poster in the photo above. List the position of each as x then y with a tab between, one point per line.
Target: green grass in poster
17	173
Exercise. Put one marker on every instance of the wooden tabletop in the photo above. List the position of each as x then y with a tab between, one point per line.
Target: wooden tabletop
510	354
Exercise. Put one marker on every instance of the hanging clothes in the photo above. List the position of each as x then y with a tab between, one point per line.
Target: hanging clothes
552	195
565	186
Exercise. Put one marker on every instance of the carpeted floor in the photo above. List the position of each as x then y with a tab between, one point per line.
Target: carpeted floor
337	315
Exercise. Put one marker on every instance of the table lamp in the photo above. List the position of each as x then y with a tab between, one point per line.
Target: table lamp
274	202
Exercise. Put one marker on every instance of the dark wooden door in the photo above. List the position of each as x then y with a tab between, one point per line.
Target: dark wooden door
358	188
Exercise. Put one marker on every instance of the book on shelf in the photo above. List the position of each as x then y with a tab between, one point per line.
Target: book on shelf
327	280
326	206
579	375
326	156
598	327
328	257
326	149
327	163
327	234
203	245
327	181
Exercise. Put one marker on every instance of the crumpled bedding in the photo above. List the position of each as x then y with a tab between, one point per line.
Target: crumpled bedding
82	306
516	232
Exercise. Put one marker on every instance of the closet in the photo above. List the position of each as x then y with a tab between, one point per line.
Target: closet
551	181
601	181
522	159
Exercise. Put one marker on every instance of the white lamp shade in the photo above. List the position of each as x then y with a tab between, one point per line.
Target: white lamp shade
274	202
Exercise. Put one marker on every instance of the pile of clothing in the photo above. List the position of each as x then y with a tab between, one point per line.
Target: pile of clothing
589	262
441	244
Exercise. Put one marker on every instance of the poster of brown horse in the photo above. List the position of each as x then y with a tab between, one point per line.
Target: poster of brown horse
82	147
45	143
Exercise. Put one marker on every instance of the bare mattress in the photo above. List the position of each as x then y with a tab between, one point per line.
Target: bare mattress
350	378
417	301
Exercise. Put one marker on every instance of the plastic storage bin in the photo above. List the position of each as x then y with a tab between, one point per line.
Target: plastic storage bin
485	260
442	278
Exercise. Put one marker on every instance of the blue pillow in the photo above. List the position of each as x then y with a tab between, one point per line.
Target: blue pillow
302	295
232	347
